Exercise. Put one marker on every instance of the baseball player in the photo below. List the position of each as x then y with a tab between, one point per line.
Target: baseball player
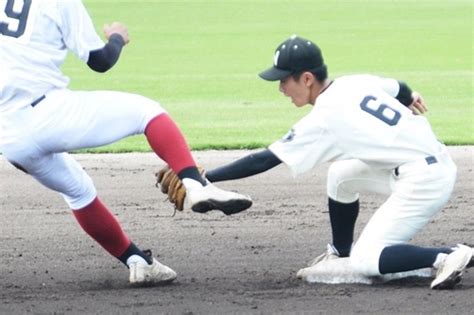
369	128
41	120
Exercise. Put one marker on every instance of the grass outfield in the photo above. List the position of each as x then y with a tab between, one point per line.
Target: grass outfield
200	59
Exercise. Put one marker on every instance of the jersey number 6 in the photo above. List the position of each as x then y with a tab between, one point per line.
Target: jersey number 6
383	112
21	16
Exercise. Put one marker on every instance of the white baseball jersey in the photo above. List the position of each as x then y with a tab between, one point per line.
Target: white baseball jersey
357	117
358	122
35	36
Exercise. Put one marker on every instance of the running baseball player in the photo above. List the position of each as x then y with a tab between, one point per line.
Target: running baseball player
41	120
369	128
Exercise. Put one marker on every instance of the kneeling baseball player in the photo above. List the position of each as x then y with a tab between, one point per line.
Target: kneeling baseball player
370	129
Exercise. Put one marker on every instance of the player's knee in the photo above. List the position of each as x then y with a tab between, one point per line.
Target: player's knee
151	109
144	110
338	183
365	262
358	265
81	193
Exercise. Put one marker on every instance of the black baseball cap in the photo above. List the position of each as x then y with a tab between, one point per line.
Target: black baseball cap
293	55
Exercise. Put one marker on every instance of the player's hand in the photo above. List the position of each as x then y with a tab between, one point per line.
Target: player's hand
418	105
116	28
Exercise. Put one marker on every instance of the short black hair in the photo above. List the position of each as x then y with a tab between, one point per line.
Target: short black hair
320	73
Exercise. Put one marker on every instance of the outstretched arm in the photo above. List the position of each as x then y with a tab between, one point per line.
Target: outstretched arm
103	59
247	166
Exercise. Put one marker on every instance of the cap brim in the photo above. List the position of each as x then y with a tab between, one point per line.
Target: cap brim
274	74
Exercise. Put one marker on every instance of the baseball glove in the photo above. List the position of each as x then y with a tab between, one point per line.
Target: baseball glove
169	183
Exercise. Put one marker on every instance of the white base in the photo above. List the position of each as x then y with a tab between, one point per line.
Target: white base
337	271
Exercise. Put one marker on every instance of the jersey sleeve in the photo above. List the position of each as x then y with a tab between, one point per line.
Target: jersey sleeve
77	29
397	89
390	86
308	143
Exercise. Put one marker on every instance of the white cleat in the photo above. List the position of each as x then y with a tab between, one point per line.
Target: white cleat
206	198
451	270
471	263
142	273
331	253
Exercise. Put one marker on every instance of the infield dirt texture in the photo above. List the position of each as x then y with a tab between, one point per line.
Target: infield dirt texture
240	264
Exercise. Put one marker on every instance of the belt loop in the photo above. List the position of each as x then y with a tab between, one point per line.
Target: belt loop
38	100
431	160
428	160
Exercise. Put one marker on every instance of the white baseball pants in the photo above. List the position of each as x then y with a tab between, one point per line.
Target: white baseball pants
416	194
38	138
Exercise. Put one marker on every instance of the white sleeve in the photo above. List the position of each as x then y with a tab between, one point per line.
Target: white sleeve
77	29
305	145
390	86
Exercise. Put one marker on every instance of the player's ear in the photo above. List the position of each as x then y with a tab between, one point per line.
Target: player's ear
308	78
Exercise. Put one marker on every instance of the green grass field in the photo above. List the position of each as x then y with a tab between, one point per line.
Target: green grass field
200	59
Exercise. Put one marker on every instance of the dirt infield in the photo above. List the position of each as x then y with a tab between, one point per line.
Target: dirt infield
240	264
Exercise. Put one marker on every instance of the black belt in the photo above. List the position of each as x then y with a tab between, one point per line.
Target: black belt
429	160
38	100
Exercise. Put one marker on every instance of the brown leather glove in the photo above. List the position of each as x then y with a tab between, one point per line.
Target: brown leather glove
170	184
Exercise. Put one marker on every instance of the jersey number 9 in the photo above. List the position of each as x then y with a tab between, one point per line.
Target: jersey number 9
20	16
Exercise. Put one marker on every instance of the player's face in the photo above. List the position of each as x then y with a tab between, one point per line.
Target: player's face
298	91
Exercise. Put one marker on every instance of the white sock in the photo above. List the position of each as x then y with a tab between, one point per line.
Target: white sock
135	259
191	183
